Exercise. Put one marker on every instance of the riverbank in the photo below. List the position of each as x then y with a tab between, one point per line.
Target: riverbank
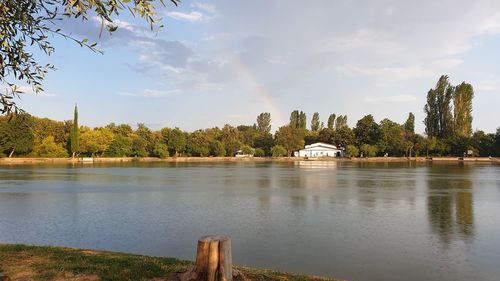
14	160
30	263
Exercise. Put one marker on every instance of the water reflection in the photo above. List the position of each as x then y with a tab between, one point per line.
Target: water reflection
450	203
361	221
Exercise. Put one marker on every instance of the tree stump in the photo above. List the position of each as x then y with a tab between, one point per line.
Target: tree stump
213	260
4	277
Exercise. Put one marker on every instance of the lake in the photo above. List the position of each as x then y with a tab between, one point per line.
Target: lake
357	221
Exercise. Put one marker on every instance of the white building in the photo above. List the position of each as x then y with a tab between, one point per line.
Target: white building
320	149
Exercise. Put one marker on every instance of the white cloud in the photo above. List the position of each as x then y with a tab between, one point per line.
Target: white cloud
28	90
207	7
191	17
148	93
490	25
391	99
488	86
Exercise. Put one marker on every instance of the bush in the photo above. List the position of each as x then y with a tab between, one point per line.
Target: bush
278	151
247	150
217	149
352	151
368	150
50	149
161	150
259	152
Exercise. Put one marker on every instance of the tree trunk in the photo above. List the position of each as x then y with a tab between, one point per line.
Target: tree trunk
11	153
213	260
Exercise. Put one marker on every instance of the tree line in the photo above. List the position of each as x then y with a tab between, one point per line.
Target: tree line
448	127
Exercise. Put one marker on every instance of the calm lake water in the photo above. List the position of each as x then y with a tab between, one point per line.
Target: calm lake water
358	221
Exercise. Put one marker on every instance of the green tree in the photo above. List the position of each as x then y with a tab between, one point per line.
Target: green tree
45	127
331	121
217	149
439	120
198	144
50	149
366	130
95	142
75	135
462	109
16	134
160	150
352	151
310	137
343	136
497	142
177	141
278	151
121	146
25	24
144	132
391	138
259	152
302	120
230	137
368	150
290	138
326	135
409	125
139	146
340	122
246	149
483	143
264	141
315	123
294	119
264	122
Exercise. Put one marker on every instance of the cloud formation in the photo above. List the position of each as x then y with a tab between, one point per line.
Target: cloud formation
192	16
332	57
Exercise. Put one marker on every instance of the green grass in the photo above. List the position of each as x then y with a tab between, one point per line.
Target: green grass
57	263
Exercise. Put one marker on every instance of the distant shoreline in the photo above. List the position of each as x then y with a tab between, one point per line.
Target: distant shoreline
16	160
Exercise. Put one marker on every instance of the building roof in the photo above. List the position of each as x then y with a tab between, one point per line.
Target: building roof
321	145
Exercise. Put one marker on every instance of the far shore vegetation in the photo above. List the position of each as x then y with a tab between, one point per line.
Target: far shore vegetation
57	263
448	132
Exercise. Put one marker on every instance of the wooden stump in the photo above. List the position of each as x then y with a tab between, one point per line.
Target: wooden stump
213	260
4	277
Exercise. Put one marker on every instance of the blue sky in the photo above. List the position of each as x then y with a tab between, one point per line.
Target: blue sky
218	62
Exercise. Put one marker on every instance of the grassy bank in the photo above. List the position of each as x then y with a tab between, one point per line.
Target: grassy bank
22	262
14	161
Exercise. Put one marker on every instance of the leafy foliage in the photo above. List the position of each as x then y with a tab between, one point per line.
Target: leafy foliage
26	25
264	122
290	138
352	151
176	141
366	130
16	134
75	134
50	149
315	123
278	151
331	121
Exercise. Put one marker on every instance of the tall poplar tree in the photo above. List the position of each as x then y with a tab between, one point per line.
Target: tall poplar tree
315	123
331	121
341	122
302	120
409	125
295	119
264	122
75	134
439	119
462	109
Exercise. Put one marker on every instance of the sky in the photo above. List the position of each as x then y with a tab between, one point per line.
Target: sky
225	61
